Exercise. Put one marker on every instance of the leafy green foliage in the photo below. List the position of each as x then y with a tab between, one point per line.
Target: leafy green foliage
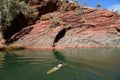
55	21
11	8
98	5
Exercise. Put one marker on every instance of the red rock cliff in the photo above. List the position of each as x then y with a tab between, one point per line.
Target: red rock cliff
84	28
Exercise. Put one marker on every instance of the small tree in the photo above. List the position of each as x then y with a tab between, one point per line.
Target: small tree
98	6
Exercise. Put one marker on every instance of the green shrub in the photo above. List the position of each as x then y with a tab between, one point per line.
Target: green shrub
55	21
98	6
11	8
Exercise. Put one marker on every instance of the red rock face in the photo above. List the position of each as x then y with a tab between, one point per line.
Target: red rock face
86	28
93	28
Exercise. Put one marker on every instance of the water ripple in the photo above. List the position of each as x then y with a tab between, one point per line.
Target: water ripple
83	64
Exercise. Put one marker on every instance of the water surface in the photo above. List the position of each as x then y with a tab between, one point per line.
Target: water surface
82	64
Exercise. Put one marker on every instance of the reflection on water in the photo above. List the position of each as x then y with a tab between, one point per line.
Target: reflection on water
59	56
61	63
1	59
83	64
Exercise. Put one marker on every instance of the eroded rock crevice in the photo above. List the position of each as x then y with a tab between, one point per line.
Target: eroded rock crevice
49	7
118	29
59	36
19	34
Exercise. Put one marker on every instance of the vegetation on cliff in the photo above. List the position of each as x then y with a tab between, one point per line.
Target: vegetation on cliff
11	8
